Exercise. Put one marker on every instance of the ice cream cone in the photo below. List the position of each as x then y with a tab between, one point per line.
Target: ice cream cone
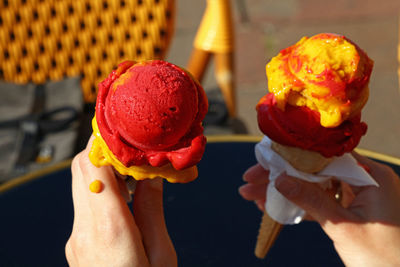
317	88
267	234
302	160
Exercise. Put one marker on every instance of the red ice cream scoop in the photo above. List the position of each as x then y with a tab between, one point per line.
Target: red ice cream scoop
300	127
150	113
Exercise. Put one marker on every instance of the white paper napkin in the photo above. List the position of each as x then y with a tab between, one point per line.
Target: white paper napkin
344	168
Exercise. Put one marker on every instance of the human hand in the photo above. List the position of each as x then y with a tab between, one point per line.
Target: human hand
105	233
365	227
255	189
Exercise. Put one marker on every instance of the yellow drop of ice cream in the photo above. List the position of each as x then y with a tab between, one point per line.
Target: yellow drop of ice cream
96	186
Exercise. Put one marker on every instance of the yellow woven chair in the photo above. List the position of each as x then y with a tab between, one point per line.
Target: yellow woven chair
44	40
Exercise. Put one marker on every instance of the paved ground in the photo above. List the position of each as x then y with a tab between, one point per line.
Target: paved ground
263	27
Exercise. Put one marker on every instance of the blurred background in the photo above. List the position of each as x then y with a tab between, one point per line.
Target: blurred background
264	27
81	42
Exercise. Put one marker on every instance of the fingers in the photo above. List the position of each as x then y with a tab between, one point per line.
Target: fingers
105	210
253	192
370	199
348	194
81	206
149	216
382	173
256	175
362	159
256	193
102	221
87	202
314	200
257	179
260	203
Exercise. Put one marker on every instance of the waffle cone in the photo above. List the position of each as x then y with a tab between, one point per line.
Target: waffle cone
302	160
267	234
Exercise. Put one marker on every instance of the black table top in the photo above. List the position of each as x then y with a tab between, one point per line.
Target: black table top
209	223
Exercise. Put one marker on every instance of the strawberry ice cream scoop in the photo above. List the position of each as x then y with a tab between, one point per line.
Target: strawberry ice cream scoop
151	113
300	127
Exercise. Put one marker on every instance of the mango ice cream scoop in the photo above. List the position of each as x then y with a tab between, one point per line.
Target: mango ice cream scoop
148	121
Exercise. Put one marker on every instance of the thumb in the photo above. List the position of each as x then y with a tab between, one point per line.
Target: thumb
149	216
313	199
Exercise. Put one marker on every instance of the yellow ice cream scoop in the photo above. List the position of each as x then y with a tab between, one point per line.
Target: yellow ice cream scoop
327	73
101	155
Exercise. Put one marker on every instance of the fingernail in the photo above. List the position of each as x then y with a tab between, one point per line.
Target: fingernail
289	187
242	189
260	204
244	176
